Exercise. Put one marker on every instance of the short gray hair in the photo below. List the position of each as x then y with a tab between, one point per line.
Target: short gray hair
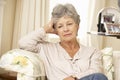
65	10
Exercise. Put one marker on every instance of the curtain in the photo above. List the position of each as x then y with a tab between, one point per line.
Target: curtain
94	7
2	3
30	15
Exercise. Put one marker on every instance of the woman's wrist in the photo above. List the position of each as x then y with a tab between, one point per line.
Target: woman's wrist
75	78
70	78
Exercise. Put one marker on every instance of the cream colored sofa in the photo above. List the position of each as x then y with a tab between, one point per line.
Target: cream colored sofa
111	63
28	65
25	63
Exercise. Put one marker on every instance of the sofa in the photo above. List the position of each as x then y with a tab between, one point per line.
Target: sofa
28	65
25	64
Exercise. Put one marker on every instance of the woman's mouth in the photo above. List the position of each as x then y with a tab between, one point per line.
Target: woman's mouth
68	34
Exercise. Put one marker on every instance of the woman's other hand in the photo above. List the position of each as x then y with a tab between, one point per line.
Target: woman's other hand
69	78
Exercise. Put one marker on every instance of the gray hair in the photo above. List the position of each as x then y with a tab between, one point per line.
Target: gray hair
65	10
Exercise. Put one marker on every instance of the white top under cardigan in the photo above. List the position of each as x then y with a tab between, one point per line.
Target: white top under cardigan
58	64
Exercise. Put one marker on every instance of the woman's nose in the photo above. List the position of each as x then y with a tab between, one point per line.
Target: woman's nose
66	28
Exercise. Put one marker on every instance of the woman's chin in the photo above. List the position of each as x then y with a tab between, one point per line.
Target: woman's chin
67	39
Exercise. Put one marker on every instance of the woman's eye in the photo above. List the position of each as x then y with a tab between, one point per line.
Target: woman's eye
59	26
70	23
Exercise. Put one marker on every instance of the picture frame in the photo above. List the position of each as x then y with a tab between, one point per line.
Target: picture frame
112	28
108	18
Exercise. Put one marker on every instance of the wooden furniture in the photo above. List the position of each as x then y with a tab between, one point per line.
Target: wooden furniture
103	34
27	65
8	75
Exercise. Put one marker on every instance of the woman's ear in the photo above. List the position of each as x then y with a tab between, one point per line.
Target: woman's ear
78	29
55	30
78	26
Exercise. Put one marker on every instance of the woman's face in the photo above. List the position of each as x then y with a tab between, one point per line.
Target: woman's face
66	28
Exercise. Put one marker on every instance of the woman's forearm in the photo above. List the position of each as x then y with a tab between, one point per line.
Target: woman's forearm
30	41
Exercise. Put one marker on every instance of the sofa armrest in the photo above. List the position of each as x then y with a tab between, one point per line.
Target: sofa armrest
24	63
108	62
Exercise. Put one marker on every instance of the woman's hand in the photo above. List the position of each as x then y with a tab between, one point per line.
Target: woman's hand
69	78
49	28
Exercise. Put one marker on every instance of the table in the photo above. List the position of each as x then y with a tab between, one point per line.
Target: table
104	34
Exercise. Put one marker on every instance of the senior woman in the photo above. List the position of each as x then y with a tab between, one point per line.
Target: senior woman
67	59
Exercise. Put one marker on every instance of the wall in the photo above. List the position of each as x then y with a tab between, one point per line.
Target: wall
113	3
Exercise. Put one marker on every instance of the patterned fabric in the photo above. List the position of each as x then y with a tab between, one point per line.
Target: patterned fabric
108	62
28	65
